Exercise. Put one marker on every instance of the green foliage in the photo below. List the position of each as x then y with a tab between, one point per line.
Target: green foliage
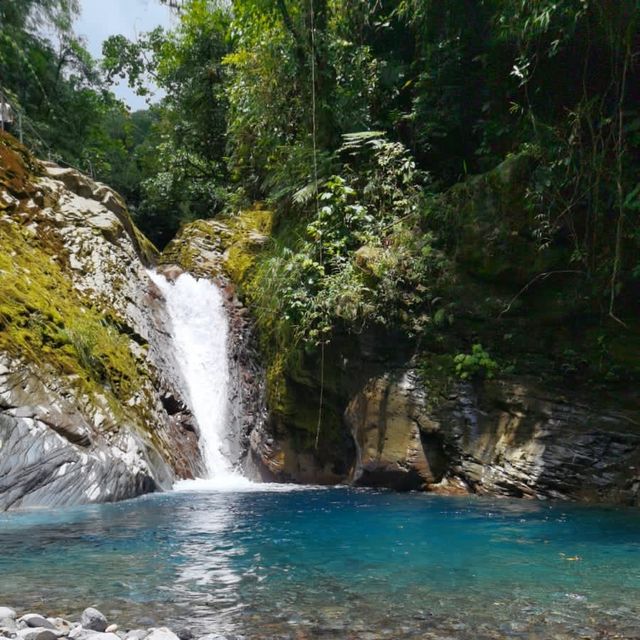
477	364
355	259
186	177
431	163
67	113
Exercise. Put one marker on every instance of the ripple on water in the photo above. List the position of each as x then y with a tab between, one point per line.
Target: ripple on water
267	562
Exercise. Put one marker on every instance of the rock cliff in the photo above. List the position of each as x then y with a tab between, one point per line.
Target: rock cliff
507	437
90	409
391	418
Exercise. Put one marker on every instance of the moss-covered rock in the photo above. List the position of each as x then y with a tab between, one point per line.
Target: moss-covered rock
491	227
80	346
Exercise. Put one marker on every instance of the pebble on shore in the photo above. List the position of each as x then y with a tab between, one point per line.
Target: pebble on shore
93	625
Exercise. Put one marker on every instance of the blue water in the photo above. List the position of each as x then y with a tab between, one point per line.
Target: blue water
333	563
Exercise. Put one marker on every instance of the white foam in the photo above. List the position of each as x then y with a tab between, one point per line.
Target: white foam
199	331
238	484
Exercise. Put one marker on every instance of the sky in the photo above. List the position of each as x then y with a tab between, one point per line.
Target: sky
100	19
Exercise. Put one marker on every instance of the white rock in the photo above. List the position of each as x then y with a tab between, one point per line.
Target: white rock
37	633
61	624
7	612
93	620
161	633
36	620
79	633
96	635
112	628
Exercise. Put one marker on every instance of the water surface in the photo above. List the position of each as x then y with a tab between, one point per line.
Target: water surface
332	563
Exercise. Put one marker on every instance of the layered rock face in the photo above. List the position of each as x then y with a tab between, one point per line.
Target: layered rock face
497	437
389	423
90	408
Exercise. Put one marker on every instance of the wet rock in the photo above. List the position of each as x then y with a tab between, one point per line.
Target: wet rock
392	450
36	633
93	620
137	634
161	633
502	438
35	620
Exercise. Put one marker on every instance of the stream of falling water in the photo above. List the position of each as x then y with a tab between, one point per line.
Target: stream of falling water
199	329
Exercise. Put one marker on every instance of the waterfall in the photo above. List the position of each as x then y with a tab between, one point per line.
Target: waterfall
199	329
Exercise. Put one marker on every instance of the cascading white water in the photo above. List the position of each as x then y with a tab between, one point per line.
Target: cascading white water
199	332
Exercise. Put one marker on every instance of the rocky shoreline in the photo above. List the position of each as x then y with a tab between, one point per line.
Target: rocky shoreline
93	625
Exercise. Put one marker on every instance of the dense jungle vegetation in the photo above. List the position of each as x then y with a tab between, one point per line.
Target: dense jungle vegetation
463	173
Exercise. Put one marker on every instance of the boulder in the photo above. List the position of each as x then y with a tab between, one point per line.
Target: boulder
93	620
36	620
37	633
137	634
7	612
392	450
161	633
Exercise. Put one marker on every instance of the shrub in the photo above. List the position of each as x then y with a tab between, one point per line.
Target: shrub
477	364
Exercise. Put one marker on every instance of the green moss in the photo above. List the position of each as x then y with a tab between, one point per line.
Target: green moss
490	227
44	320
146	249
248	231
